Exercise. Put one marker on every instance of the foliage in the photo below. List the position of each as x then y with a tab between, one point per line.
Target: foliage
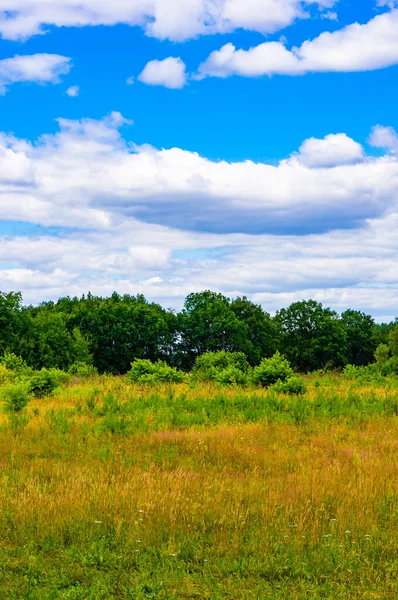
382	354
209	365
145	371
293	385
16	396
270	370
312	336
109	333
43	383
231	376
207	323
390	367
14	363
359	329
13	324
5	374
263	333
393	340
82	369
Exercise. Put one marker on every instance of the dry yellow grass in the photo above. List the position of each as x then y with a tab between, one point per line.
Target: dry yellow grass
259	510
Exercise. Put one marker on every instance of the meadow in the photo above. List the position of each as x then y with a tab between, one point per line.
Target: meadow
115	490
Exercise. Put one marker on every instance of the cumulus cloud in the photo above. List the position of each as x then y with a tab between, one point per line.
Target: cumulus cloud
175	20
73	91
356	47
385	138
34	68
170	73
331	151
169	222
328	184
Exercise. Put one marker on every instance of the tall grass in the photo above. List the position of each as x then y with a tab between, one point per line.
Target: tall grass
113	491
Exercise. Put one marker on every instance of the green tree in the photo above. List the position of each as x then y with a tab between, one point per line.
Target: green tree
13	325
207	323
121	329
361	344
393	340
313	337
51	344
263	333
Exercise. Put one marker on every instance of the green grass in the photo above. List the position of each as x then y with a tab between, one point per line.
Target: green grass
112	491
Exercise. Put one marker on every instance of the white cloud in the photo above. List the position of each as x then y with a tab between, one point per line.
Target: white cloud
130	80
73	91
34	68
168	222
113	181
173	19
170	73
353	48
331	151
384	137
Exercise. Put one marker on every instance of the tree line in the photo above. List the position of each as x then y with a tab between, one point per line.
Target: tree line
111	332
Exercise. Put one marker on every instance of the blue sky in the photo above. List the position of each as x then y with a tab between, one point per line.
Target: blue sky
254	150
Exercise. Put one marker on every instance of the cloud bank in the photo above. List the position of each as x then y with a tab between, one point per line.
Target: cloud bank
174	20
168	222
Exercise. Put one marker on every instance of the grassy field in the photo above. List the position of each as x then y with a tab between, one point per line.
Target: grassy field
112	491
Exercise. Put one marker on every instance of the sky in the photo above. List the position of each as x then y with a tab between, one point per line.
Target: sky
165	147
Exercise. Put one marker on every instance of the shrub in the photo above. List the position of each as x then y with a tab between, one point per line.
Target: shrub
145	371
231	376
293	385
16	397
5	375
43	383
82	369
270	370
15	363
210	365
390	367
382	354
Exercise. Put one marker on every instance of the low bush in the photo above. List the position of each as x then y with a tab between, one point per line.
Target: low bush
43	383
210	365
82	369
270	370
293	385
231	376
145	371
16	396
6	376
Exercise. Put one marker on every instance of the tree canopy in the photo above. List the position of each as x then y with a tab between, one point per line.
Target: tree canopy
109	333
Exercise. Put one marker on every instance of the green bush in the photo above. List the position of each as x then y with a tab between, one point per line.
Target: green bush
390	367
82	369
382	354
6	376
15	363
145	371
270	370
62	377
43	383
293	385
210	365
16	396
231	376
